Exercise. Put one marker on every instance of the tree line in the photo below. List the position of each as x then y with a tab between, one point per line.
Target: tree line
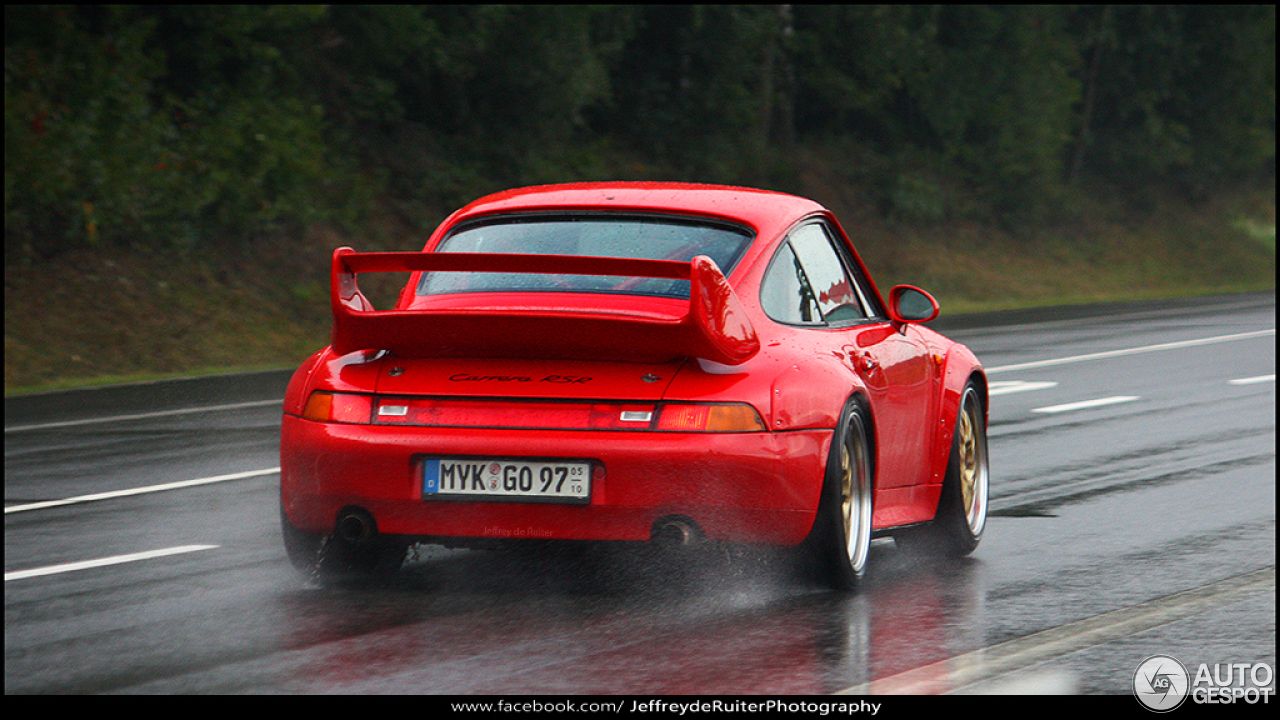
195	126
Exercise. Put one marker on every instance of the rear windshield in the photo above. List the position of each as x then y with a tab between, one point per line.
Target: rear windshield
645	238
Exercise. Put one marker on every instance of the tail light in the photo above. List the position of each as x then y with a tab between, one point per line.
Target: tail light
532	415
339	408
725	418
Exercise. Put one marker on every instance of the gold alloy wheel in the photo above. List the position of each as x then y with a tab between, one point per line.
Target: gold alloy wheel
968	460
855	494
973	462
846	488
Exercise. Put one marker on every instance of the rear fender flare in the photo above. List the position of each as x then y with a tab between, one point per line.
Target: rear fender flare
295	394
354	372
810	395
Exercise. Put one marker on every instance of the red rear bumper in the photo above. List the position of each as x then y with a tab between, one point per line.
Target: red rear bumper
750	487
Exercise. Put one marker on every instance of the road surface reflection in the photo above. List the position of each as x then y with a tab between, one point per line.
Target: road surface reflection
626	622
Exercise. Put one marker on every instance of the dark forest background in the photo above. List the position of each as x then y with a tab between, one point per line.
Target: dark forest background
218	132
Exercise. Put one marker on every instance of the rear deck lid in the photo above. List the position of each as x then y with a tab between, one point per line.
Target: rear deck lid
542	379
532	394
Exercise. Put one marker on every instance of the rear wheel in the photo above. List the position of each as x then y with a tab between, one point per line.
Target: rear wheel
322	557
301	547
841	538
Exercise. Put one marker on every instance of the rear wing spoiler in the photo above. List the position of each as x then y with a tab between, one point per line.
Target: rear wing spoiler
714	327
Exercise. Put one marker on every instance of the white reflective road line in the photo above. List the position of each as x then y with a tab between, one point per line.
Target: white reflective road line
103	562
998	369
1132	351
988	663
139	490
1006	387
1084	404
142	416
1253	380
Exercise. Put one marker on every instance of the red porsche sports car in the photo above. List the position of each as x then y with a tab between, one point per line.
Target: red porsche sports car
632	362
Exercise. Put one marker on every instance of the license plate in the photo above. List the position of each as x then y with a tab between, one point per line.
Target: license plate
565	481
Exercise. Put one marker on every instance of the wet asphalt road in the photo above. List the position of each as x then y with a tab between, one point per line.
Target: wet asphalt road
1133	514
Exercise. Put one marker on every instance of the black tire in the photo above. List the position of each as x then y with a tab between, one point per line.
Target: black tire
327	557
840	541
302	547
961	517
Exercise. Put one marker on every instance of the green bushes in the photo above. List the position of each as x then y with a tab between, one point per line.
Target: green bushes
185	127
112	137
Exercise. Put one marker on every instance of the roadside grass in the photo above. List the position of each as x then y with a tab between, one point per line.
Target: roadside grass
1110	251
117	316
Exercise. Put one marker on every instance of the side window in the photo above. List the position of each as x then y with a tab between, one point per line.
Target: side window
838	298
786	294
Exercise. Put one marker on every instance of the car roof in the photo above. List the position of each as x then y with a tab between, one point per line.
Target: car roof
766	211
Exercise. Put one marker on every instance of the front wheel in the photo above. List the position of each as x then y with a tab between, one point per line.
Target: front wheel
841	537
957	526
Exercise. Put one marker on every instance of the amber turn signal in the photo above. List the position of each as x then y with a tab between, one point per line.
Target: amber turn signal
338	407
726	418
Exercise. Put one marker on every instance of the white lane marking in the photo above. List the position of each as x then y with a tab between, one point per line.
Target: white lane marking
1084	404
998	369
1253	380
1132	351
1006	387
1024	652
139	490
103	562
142	416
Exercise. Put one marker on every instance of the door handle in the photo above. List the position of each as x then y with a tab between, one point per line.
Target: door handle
861	360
